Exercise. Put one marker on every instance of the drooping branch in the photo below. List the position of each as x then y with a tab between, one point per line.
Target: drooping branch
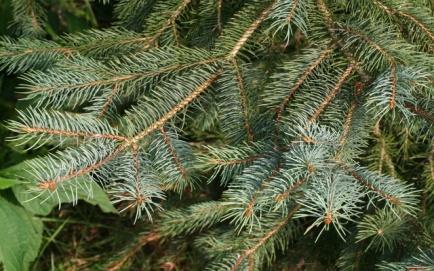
146	239
249	31
180	106
283	196
245	254
336	89
174	154
392	11
169	23
243	99
248	211
307	72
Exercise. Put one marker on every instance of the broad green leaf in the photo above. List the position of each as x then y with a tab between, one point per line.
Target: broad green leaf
8	176
6	182
20	236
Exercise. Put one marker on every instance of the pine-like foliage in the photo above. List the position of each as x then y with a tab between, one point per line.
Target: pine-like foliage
277	122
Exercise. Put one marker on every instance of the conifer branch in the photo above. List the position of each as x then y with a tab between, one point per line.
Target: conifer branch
49	184
384	155
292	11
306	73
245	254
53	183
336	89
175	156
219	15
370	42
125	78
330	25
420	112
185	102
27	14
365	183
347	122
387	55
392	11
144	240
46	125
243	99
32	14
235	161
109	100
137	183
248	211
169	23
283	196
431	162
66	133
227	89
249	31
65	51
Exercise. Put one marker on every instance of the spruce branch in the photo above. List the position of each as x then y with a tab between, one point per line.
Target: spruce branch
157	26
168	142
40	126
261	241
249	31
286	14
51	184
260	111
384	229
243	99
29	17
349	70
413	19
396	195
349	117
304	76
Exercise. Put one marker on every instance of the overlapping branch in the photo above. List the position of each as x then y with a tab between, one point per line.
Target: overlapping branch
246	253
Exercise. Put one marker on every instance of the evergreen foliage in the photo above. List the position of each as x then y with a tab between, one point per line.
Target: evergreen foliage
248	126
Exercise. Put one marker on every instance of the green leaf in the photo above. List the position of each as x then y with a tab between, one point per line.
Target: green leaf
20	236
8	176
6	182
